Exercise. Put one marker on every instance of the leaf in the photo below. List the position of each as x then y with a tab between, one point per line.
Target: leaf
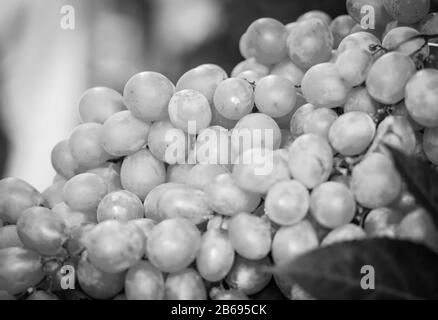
422	180
402	270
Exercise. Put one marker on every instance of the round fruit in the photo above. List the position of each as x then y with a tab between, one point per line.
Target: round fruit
267	40
422	97
348	232
185	285
20	269
275	96
63	161
147	95
178	173
418	226
144	282
202	175
292	241
375	181
114	246
287	202
250	235
352	133
72	218
289	70
153	198
234	98
120	205
380	17
173	244
362	40
53	194
218	293
141	172
123	134
84	192
397	132
298	119
110	173
99	103
9	237
309	42
167	143
216	256
388	77
249	276
310	160
382	222
315	14
213	146
353	66
398	39
407	11
96	283
250	64
319	122
341	27
360	100
85	145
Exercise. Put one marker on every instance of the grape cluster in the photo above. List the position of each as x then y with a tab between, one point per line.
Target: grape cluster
194	190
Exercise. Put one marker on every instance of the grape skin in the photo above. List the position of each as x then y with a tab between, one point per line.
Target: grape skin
348	232
120	205
234	98
185	285
63	161
405	11
144	282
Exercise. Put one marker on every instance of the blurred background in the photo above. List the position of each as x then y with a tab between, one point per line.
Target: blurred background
45	68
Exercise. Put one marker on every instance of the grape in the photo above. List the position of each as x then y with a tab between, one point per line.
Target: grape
153	198
16	196
429	24
255	130
340	28
123	134
96	283
204	79
250	64
388	77
141	172
71	218
178	173
310	160
78	236
398	39
186	203
110	173
185	285
244	48
249	276
9	237
287	202
99	103
289	70
348	232
225	197
286	138
422	97
362	40
53	194
382	222
401	110
298	119
315	14
298	293
40	230
167	143
284	122
322	86
380	16
430	144
292	241
352	133
85	145
63	161
258	169
252	77
360	100
406	11
219	120
144	282
234	98
309	42
144	224
250	236
215	257
147	94
203	174
405	202
398	133
218	293
84	192
20	269
284	283
275	96
41	295
187	106
213	146
266	39
375	181
418	226
173	244
114	246
353	66
319	122
120	205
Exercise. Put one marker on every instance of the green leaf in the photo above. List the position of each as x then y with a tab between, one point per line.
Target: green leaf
402	270
422	180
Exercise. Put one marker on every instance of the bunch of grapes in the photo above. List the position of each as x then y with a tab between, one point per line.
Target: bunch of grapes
194	190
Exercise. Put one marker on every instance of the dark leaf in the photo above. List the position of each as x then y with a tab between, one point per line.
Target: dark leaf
402	270
422	180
